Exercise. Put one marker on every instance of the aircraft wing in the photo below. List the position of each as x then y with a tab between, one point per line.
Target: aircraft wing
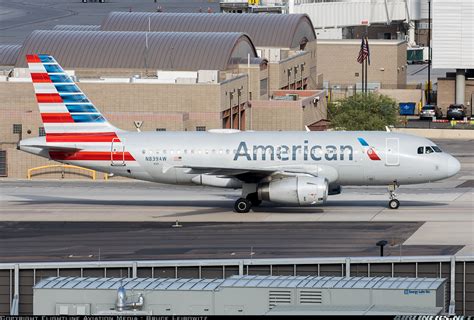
248	174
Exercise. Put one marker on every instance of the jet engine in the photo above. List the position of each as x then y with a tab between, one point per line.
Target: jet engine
297	190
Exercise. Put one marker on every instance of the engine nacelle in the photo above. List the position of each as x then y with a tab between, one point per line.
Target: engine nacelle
298	190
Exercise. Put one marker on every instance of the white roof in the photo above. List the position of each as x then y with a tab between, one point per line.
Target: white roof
242	281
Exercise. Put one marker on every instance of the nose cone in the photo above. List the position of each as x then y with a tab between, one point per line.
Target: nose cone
453	166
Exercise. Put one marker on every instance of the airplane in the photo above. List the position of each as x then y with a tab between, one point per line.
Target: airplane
298	168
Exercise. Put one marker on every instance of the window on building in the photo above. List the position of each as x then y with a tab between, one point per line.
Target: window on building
17	128
200	128
3	163
160	129
263	87
41	132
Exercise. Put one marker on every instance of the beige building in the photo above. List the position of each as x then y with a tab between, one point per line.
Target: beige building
166	80
337	61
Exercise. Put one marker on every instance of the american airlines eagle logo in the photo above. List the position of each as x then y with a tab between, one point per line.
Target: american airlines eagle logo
370	150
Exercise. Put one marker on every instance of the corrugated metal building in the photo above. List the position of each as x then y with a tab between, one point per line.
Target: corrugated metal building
251	295
182	51
278	31
453	48
8	54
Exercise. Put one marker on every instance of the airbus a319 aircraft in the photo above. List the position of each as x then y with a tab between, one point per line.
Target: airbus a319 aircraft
290	168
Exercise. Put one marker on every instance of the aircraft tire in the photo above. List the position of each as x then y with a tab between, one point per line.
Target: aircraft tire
242	205
393	204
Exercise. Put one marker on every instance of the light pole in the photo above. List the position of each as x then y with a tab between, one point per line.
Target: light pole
239	93
294	77
230	105
289	75
428	97
301	71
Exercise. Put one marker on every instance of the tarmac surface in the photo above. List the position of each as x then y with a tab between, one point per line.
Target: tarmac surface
93	241
38	220
18	18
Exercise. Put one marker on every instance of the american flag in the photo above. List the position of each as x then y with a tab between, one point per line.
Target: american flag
364	51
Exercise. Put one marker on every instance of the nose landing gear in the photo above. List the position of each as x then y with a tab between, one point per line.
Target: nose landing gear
393	203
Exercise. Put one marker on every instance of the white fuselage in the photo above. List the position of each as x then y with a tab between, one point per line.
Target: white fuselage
340	157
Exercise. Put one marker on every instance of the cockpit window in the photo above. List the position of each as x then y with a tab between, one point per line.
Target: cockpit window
428	150
436	149
420	150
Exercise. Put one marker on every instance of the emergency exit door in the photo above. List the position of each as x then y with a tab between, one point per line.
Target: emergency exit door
117	153
392	155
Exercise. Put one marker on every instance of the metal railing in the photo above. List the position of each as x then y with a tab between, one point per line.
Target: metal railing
345	265
62	166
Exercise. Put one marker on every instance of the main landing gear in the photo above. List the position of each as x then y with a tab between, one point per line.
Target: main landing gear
243	205
393	203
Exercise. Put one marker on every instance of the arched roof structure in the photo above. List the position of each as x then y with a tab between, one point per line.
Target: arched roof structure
141	50
9	54
76	27
265	30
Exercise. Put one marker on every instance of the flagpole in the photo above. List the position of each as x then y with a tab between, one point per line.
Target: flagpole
366	75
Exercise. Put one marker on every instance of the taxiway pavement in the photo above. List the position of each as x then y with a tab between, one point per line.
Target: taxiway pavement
434	218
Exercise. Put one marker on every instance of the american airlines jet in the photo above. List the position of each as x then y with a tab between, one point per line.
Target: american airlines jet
290	168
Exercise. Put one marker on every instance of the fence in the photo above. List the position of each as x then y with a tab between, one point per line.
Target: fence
17	280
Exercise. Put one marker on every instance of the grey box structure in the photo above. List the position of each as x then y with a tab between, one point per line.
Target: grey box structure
251	295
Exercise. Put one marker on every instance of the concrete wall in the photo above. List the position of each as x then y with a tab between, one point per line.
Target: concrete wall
337	60
405	95
290	115
278	72
439	133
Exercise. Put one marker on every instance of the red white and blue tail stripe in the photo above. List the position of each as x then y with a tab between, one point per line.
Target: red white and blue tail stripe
64	108
70	119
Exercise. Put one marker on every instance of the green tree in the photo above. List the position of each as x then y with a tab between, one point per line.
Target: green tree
363	112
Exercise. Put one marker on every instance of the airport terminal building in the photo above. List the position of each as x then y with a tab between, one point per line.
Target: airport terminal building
173	71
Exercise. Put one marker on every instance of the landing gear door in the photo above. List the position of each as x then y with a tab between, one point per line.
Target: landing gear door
117	153
392	156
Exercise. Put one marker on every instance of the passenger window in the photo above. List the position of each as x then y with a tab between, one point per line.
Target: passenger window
436	149
420	150
428	150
